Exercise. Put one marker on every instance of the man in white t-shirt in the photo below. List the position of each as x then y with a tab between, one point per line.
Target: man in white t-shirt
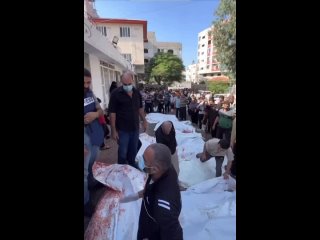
217	148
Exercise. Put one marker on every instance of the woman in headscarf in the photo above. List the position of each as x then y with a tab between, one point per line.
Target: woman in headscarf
166	135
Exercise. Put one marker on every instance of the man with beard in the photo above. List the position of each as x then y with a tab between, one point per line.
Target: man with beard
94	131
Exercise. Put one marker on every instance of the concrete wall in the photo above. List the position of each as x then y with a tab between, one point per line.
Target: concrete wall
130	45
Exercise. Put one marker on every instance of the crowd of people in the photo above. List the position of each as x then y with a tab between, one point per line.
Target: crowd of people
126	113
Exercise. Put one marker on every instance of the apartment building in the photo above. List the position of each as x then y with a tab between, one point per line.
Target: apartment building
192	73
152	46
104	61
208	65
128	37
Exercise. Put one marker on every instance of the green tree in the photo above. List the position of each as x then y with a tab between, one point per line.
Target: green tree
224	34
164	68
218	87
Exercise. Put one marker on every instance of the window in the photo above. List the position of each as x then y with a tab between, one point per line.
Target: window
198	53
201	68
158	50
170	51
202	45
209	42
102	29
162	50
127	56
202	53
203	37
146	61
124	32
208	66
198	46
199	38
145	50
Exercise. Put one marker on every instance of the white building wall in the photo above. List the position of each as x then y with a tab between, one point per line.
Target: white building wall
95	43
102	77
165	46
207	54
98	48
128	45
153	46
191	73
202	51
96	76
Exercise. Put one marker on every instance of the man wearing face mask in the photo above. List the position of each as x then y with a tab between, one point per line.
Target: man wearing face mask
161	204
125	107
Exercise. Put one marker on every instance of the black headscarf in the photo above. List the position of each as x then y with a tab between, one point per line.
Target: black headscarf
168	140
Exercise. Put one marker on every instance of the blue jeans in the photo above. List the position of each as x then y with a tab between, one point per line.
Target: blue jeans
93	152
128	147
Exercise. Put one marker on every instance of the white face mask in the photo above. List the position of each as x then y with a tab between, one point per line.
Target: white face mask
142	167
141	164
127	88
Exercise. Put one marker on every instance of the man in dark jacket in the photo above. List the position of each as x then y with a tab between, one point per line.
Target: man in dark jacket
161	204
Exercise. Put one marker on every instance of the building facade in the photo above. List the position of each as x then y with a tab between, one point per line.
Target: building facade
152	46
208	66
104	61
128	37
192	73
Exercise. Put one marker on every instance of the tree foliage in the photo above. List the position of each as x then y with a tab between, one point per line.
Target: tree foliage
164	68
224	34
218	87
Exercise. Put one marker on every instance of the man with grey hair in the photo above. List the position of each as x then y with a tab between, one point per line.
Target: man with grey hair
125	107
161	204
